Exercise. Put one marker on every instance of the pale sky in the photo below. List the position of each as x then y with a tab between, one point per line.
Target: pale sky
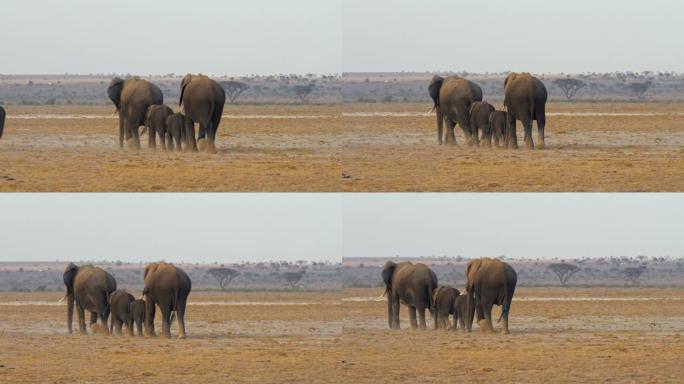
174	227
520	35
516	225
258	227
241	37
236	37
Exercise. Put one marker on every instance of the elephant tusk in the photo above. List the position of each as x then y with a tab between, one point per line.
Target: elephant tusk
62	299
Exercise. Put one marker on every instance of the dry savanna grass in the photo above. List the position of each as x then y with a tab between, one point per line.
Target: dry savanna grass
348	147
342	337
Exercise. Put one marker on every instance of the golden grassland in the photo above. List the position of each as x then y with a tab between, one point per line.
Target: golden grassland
331	148
336	340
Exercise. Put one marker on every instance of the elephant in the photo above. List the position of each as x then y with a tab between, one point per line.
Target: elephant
202	100
489	282
525	100
480	112
155	121
412	285
138	315
461	311
497	123
175	130
445	305
2	120
120	306
452	97
89	287
168	287
132	98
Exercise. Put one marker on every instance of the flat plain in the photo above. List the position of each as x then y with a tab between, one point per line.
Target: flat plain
348	147
557	335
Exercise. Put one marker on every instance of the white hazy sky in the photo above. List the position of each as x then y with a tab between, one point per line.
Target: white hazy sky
173	227
257	227
497	35
515	225
240	37
235	37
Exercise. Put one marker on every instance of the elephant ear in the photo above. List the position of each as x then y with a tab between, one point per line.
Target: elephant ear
509	78
69	276
387	273
150	269
114	92
473	266
186	80
434	88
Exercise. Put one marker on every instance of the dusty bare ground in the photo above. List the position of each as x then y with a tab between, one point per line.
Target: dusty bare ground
342	337
255	342
550	341
350	147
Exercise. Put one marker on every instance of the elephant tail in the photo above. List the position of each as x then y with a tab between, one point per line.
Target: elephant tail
532	111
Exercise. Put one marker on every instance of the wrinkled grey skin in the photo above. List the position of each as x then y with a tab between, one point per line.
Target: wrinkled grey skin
452	97
155	121
137	309
132	97
202	99
412	285
489	282
168	287
480	112
89	288
525	100
461	312
2	120
445	305
497	123
120	306
175	130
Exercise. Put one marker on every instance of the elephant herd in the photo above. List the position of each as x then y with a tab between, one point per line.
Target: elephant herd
488	282
94	290
458	101
141	103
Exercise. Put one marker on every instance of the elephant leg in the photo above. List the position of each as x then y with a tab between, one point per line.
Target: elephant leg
412	315
440	126
504	326
437	321
529	143
93	319
540	133
129	327
169	142
180	313
211	138
121	130
139	326
178	143
151	138
190	142
133	135
162	139
486	322
149	318
166	322
421	317
103	321
450	136
81	319
474	134
511	134
395	312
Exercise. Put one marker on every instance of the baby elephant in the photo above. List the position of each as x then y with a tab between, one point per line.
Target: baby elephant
120	307
155	121
137	310
479	120
175	130
497	123
461	311
445	305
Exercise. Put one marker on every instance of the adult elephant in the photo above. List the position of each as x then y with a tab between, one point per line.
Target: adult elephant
89	288
452	97
132	98
2	120
489	282
525	100
202	99
410	284
168	287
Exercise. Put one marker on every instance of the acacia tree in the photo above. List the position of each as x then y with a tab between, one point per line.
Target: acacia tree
639	89
569	86
234	89
564	271
293	278
633	273
223	276
303	91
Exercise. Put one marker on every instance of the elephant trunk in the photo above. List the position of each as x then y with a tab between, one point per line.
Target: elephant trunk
70	311
470	310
